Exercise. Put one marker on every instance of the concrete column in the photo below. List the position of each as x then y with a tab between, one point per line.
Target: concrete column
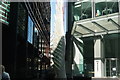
98	58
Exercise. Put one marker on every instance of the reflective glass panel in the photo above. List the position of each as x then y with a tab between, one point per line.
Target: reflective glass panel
82	10
22	20
4	12
30	30
104	7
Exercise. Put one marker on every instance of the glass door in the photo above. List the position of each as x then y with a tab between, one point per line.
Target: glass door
111	65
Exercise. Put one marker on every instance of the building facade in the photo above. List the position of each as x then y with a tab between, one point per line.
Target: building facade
25	38
96	23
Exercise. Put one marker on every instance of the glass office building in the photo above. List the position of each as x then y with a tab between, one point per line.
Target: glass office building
25	38
96	24
4	12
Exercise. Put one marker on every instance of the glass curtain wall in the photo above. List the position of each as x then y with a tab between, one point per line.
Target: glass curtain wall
4	11
104	7
82	10
112	56
22	20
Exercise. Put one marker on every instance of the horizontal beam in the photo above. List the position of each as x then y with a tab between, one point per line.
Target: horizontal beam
101	33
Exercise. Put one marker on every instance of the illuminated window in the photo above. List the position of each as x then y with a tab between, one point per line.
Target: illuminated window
4	11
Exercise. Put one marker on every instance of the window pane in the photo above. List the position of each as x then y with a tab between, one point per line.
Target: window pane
112	6
100	7
82	10
22	20
30	30
4	12
77	10
104	7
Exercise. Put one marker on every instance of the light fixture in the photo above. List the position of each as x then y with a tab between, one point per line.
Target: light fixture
77	2
95	30
38	60
78	6
114	69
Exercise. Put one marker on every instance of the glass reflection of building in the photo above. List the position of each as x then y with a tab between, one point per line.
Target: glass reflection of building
94	21
82	10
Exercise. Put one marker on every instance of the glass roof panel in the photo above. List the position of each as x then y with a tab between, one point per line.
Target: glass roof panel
81	30
108	25
116	19
93	27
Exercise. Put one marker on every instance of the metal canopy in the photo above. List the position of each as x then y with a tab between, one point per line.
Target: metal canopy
101	25
103	28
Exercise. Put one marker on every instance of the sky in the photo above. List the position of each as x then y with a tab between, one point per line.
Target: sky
53	12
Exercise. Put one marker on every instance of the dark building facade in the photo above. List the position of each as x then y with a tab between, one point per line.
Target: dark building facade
25	39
